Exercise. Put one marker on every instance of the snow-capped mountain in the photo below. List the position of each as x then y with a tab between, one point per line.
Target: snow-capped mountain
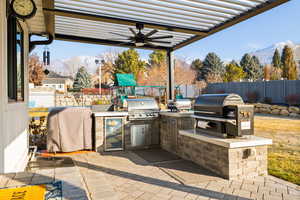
71	65
265	55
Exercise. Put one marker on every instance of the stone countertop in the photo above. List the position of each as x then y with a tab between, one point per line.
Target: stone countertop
246	141
176	114
110	114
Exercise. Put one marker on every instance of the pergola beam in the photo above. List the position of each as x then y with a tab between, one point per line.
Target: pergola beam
244	16
171	75
114	20
72	38
49	17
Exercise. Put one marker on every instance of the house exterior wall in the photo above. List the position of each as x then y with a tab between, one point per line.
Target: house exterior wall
13	116
2	90
58	87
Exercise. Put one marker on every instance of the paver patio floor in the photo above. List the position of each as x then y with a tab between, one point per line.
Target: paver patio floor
126	176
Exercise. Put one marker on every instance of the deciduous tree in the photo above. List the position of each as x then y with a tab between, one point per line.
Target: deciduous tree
184	74
129	62
276	73
35	70
233	73
267	72
157	57
289	68
157	75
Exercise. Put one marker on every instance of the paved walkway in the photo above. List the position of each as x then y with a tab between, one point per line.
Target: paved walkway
126	176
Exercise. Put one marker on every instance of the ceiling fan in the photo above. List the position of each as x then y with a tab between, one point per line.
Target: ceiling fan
140	39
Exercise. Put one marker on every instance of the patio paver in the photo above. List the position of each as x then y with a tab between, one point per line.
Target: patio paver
73	187
126	176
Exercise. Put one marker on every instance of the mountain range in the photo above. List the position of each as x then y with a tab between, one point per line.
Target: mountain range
69	67
265	55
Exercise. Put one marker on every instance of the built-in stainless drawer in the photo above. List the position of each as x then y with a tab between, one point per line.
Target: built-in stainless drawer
140	135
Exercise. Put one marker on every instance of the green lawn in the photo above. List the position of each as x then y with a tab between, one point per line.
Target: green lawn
284	154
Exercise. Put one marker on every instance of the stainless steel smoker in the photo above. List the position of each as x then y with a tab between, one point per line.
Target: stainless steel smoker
223	115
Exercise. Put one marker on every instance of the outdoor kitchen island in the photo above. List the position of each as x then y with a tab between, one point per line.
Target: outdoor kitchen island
121	131
219	137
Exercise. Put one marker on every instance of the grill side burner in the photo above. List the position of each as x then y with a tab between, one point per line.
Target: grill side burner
223	115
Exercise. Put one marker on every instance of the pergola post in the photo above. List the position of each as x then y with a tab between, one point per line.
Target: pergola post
170	74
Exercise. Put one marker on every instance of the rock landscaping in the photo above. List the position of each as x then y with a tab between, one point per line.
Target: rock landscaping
292	111
78	99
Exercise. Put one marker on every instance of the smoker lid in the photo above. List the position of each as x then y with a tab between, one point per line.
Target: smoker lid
142	104
218	100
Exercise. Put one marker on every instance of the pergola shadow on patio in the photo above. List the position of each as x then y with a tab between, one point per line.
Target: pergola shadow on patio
125	175
150	24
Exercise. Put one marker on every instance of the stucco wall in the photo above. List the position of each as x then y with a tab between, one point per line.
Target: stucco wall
13	117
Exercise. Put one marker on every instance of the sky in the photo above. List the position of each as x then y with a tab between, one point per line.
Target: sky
279	24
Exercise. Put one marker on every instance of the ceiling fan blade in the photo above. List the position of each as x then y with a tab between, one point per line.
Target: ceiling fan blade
150	43
161	37
151	33
132	31
162	42
118	39
128	36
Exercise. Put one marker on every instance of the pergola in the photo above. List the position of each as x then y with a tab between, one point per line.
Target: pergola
96	21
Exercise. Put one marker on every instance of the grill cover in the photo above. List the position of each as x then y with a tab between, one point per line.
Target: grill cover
213	104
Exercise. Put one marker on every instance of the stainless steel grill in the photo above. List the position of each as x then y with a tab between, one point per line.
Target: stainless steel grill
223	115
142	109
142	131
180	105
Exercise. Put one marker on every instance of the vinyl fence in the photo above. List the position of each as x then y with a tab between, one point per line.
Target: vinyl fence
276	90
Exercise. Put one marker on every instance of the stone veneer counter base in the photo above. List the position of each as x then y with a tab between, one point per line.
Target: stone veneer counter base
230	158
245	141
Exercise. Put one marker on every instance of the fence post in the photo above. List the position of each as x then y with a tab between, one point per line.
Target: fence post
265	90
284	90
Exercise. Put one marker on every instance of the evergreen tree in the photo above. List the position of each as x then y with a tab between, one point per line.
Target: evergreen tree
256	61
197	66
251	66
129	62
212	64
289	68
157	57
233	73
257	68
276	60
82	79
234	63
246	62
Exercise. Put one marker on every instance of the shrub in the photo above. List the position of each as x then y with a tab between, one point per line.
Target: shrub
268	100
252	96
293	99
